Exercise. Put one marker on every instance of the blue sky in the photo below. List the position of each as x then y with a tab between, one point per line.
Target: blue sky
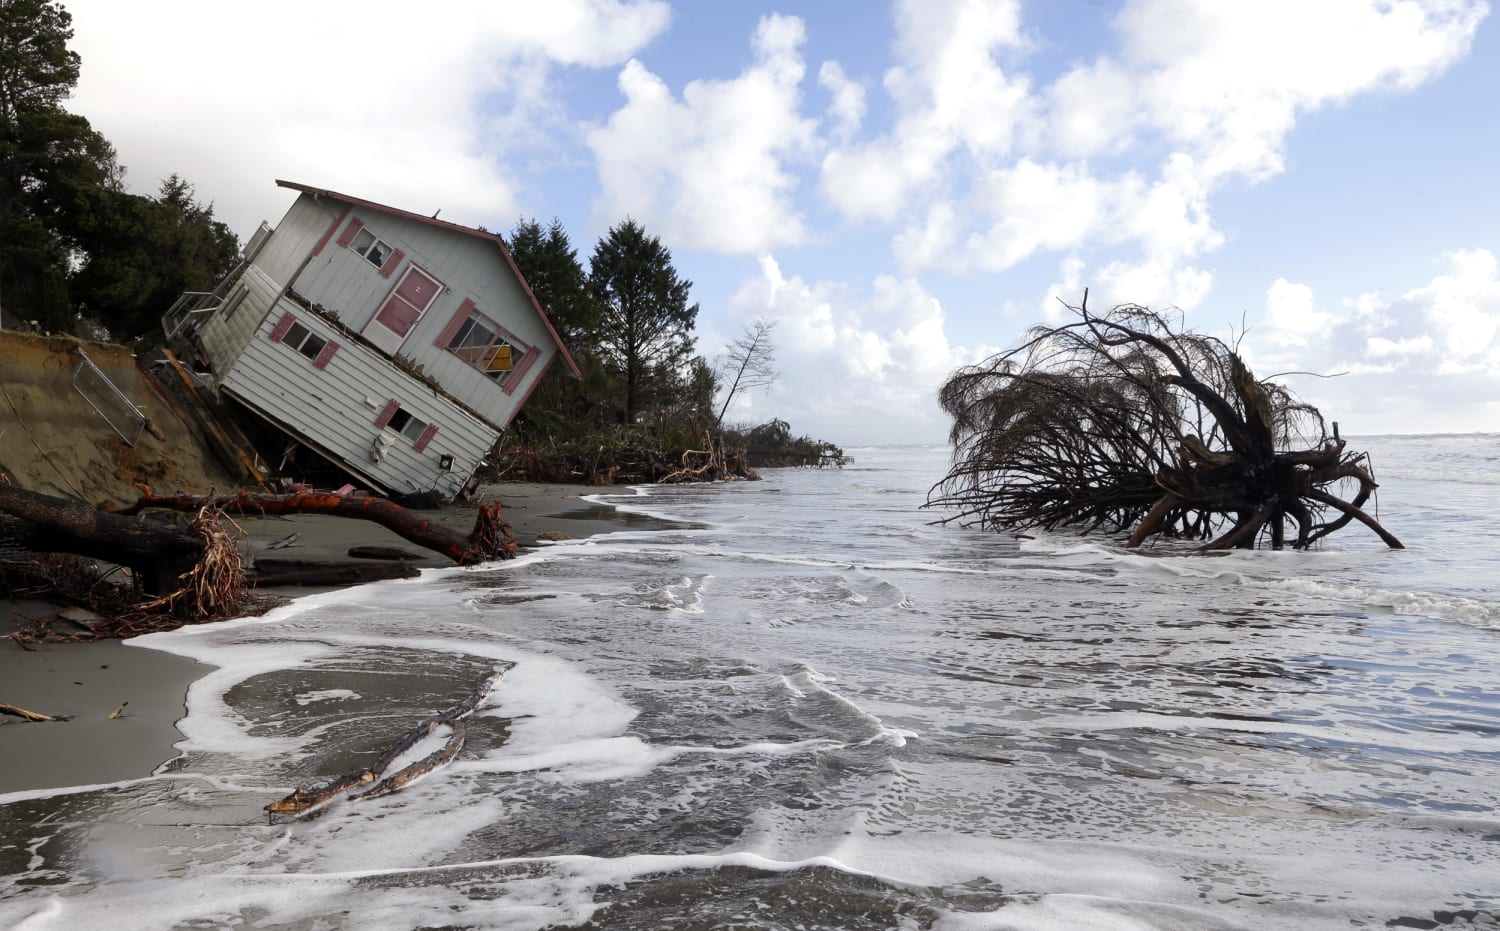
903	187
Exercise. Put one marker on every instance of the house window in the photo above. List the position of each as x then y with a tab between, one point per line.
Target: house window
405	424
289	332
485	346
304	340
375	250
406	305
395	417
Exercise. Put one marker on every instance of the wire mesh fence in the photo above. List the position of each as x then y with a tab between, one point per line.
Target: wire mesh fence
108	401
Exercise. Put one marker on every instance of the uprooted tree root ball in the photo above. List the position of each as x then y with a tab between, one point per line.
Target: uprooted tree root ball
187	577
213	590
1122	422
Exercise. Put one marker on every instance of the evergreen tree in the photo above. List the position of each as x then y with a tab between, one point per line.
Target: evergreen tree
138	254
647	323
47	155
549	263
72	240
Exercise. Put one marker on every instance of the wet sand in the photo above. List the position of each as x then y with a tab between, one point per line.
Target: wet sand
87	681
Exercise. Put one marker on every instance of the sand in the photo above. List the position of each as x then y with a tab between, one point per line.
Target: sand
89	680
58	425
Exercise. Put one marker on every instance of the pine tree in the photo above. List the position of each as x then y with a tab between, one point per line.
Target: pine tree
46	156
646	328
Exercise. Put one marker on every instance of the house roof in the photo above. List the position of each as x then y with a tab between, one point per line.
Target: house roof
457	228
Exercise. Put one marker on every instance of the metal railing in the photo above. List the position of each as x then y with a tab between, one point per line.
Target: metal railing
186	309
108	401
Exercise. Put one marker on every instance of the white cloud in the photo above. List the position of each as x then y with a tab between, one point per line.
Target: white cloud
596	33
708	171
1223	84
371	99
1463	310
874	356
846	109
1414	362
952	95
1227	81
1116	160
1292	317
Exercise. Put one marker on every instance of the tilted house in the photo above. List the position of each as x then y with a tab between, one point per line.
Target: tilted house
397	345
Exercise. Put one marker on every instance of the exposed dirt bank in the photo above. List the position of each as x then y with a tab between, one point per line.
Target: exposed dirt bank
53	441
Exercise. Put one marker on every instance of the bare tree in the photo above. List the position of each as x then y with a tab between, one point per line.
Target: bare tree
750	358
1122	421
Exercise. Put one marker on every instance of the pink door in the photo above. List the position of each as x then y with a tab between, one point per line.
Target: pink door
401	311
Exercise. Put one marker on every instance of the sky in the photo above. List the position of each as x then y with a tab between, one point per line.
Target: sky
902	188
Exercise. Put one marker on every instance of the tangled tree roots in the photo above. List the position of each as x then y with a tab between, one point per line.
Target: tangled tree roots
212	590
1121	422
215	587
714	463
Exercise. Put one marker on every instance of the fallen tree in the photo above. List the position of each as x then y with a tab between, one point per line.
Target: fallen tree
1122	422
193	575
158	555
490	539
179	576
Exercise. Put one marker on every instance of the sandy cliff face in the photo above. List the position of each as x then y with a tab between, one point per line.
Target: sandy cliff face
53	441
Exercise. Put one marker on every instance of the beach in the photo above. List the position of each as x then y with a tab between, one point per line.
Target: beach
799	703
87	681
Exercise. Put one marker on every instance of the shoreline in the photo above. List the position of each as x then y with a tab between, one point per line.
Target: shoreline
87	681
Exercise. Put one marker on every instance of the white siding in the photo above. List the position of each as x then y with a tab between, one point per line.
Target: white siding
297	235
226	333
336	407
469	267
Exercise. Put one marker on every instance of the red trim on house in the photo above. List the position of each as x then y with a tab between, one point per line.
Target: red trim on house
396	286
425	438
387	413
350	231
468	231
325	355
518	373
328	233
391	261
278	332
456	321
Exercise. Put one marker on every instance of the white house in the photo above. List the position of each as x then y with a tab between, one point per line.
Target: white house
398	346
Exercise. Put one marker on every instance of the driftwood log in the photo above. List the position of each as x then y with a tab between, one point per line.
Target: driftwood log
303	801
33	716
490	539
158	555
268	572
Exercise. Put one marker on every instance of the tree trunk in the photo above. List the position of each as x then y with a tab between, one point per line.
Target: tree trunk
490	539
157	555
326	572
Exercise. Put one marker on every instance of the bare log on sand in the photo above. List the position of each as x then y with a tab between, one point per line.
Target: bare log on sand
490	539
304	801
157	555
33	716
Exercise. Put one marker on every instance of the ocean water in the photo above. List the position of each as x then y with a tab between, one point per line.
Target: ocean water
805	706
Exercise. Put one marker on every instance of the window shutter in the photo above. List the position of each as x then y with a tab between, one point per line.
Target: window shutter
391	262
456	321
325	355
387	413
425	438
278	332
350	231
519	372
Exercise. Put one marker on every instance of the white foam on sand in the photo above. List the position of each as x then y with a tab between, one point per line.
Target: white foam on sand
1107	888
